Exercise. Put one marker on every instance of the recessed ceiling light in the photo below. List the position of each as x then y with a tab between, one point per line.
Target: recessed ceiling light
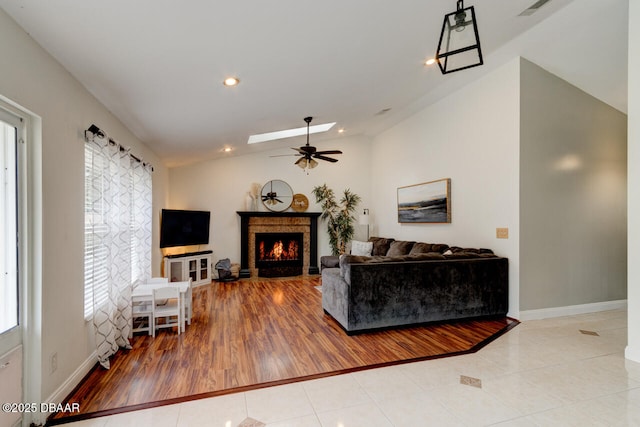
430	61
270	136
231	81
341	130
227	149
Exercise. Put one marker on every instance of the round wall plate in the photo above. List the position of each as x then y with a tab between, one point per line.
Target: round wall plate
276	195
300	203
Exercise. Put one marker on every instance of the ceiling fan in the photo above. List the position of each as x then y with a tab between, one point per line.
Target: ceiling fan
308	152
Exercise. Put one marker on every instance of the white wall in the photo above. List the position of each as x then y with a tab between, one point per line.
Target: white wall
633	159
33	79
220	186
472	137
573	195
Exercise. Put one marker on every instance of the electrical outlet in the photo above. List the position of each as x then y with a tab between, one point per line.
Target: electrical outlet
502	233
53	363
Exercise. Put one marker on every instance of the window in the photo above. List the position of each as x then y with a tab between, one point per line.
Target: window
117	229
95	253
8	223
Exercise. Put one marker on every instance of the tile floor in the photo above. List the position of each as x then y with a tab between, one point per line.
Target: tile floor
567	371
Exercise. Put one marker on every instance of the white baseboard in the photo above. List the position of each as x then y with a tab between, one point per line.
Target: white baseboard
632	353
67	387
570	310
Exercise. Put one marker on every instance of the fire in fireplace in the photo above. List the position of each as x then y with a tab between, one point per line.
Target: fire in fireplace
279	254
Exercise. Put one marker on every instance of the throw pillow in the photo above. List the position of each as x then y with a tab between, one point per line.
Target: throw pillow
400	247
421	248
380	245
361	248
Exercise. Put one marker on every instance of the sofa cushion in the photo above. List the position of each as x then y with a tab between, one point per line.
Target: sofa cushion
400	247
361	248
460	255
457	249
487	255
468	255
476	250
423	248
380	245
425	256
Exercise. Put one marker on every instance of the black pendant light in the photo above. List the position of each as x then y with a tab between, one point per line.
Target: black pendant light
459	46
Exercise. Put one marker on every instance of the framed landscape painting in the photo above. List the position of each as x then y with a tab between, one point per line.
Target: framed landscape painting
427	202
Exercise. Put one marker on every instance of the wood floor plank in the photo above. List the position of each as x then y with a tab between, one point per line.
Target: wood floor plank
252	333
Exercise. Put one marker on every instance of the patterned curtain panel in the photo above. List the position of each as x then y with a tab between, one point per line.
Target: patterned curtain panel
141	214
117	239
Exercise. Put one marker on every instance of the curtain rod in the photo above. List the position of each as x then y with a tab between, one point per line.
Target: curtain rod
96	131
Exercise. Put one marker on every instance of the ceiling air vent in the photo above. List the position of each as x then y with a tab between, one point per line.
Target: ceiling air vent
533	8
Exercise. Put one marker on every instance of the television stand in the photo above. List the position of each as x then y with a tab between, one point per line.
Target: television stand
193	265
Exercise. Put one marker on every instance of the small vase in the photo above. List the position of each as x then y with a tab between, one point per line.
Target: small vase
248	202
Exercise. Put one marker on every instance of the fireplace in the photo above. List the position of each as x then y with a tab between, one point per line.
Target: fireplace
279	254
256	225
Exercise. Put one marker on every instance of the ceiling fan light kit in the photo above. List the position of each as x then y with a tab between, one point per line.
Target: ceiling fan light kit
303	163
459	45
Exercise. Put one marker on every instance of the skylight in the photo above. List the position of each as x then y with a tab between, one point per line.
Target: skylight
281	134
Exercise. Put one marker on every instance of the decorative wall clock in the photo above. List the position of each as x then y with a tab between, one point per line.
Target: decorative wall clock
276	195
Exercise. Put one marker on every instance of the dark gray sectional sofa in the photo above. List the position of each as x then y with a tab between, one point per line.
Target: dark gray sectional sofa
406	283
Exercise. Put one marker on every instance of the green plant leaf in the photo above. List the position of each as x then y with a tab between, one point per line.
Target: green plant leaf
338	216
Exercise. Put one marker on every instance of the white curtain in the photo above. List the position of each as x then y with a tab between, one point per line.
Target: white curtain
118	213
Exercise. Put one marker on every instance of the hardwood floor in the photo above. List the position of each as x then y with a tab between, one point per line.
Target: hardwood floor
255	333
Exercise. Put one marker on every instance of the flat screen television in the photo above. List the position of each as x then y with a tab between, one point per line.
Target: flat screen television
184	228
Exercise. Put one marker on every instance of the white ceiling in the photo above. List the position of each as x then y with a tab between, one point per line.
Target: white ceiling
158	65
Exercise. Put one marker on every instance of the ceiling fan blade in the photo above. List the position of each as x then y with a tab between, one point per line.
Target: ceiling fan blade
299	150
328	159
329	152
285	155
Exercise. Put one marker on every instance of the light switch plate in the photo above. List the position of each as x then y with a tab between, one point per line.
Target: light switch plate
502	233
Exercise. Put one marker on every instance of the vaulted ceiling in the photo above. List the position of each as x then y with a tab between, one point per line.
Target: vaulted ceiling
158	65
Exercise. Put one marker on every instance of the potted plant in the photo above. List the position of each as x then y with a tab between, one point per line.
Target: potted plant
339	216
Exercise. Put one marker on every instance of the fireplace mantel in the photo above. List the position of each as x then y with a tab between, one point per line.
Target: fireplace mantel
249	217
